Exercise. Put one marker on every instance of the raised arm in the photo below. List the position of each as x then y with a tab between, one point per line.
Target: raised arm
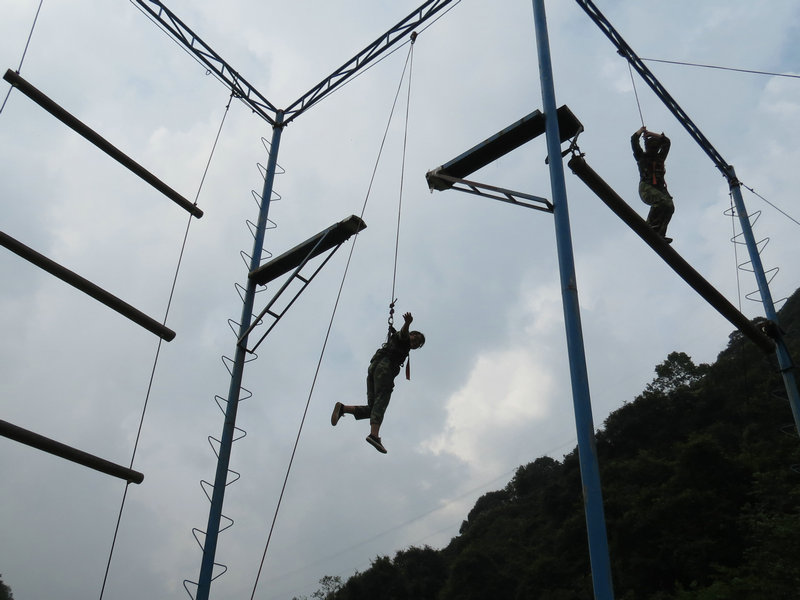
407	318
635	145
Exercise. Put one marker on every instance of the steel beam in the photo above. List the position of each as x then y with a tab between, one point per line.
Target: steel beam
599	557
628	54
209	58
366	56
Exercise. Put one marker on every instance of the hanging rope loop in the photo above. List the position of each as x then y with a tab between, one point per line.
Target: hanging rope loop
333	315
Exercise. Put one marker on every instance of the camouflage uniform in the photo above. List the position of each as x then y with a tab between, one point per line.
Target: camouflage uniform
383	368
652	186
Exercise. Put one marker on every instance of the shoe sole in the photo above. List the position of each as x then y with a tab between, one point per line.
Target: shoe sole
377	445
337	413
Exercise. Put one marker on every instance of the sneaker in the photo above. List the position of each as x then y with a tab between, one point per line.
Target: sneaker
668	239
375	441
338	411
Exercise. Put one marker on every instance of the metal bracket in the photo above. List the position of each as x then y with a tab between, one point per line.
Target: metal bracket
490	191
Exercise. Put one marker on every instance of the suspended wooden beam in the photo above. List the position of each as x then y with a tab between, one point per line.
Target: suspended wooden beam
334	235
500	144
40	442
79	127
86	287
603	191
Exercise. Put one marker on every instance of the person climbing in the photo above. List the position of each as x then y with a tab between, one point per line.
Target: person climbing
652	186
383	368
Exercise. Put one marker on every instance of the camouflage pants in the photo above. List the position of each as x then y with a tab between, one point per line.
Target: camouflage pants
380	384
661	206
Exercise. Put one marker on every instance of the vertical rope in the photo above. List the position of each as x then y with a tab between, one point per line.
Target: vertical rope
24	52
392	298
158	349
402	172
636	94
330	324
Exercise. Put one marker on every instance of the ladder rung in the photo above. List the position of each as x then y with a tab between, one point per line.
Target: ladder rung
86	286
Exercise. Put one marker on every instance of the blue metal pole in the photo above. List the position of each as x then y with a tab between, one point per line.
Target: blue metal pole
221	477
587	449
784	359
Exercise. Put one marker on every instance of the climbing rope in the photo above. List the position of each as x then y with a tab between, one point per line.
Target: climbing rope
160	341
393	299
330	323
636	94
24	52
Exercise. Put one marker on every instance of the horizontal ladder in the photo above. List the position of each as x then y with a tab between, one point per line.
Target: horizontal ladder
87	287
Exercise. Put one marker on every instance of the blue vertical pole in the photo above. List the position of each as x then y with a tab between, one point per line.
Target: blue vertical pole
228	431
587	449
784	359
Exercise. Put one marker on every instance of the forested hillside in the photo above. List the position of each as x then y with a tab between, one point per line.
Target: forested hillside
701	484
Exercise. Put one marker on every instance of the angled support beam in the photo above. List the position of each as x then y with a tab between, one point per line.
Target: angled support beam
627	52
329	239
251	96
40	442
603	191
490	191
500	144
96	139
784	359
365	57
86	287
334	235
210	59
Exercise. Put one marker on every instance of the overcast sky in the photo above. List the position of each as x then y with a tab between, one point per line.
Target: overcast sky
489	391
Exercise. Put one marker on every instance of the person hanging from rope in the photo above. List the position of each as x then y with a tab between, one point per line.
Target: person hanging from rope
652	186
383	368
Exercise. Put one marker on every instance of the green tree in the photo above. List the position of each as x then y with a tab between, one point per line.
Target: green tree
329	585
5	591
676	372
700	493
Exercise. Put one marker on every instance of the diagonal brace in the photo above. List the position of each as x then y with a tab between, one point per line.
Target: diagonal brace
213	61
490	191
329	239
363	58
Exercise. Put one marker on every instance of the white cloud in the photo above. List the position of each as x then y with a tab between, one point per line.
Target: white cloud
505	394
490	390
